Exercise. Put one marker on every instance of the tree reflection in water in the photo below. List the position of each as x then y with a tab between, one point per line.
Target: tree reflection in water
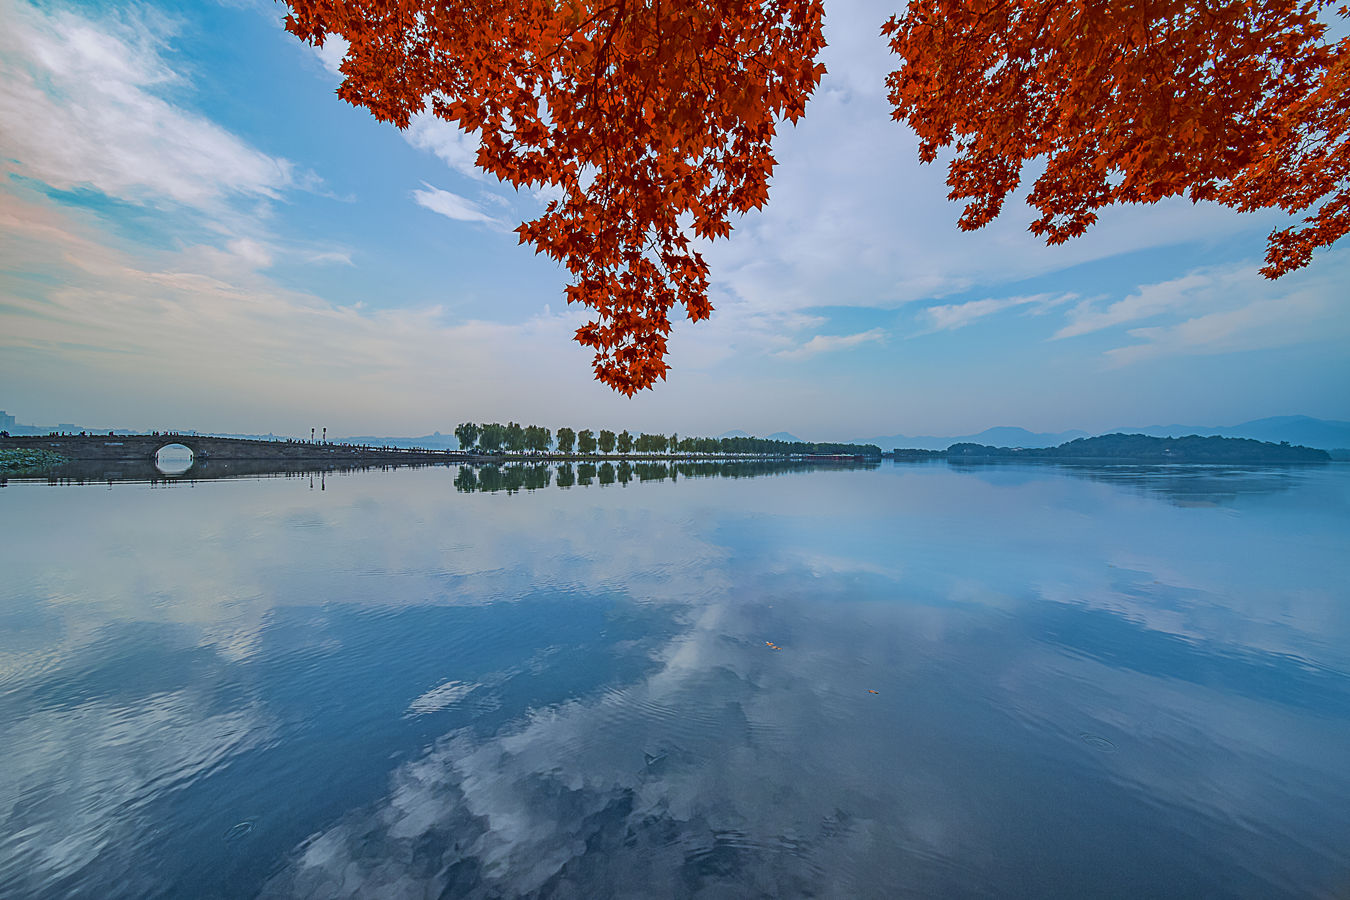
511	478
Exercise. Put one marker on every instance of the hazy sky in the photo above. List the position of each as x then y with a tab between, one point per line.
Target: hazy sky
196	233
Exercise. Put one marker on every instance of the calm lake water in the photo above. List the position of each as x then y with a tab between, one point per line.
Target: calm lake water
912	680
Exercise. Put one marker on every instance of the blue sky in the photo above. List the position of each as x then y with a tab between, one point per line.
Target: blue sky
195	233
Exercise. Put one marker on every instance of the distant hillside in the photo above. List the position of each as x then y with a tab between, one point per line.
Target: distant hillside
1144	447
1000	436
1325	434
433	441
776	436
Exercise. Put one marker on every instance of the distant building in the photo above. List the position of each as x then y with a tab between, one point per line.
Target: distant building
6	421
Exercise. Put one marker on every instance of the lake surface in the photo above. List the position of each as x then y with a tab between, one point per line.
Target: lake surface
912	680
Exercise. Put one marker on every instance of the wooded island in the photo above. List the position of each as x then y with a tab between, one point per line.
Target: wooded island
1139	447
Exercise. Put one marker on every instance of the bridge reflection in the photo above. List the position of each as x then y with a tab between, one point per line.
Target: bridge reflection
99	471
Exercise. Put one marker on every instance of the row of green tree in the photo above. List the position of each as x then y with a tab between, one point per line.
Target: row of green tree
516	438
496	436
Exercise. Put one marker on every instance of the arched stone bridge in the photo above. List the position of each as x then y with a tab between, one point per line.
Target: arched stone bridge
144	447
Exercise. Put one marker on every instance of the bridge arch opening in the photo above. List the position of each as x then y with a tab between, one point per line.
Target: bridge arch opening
174	459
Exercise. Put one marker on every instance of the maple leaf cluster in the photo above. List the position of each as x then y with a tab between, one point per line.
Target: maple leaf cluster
653	118
1242	102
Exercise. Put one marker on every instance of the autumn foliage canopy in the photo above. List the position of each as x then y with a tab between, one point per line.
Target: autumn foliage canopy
653	119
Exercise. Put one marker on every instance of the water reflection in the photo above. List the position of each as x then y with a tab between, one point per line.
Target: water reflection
903	680
509	477
173	459
1185	484
533	476
85	472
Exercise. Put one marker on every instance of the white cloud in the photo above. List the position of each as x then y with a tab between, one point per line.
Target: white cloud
829	343
256	254
209	322
455	147
959	315
453	206
331	53
201	338
80	106
342	257
1151	300
1228	309
736	331
547	193
1297	318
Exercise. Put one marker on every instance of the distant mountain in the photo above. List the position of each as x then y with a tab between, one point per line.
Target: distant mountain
1000	436
1192	448
734	433
1324	434
785	436
433	441
1020	437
